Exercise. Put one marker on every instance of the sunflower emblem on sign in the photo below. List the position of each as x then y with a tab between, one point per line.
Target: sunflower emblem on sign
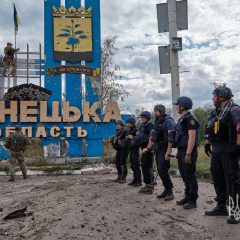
72	34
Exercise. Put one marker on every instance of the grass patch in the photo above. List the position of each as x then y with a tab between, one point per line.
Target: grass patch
203	166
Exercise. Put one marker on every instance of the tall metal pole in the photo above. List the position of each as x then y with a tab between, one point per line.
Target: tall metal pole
40	65
27	64
172	18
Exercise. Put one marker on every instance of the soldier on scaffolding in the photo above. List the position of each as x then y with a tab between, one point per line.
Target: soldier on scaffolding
9	60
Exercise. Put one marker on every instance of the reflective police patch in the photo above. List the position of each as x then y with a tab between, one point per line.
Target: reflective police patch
192	122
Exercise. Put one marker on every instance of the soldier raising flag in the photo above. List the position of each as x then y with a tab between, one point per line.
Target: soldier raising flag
9	60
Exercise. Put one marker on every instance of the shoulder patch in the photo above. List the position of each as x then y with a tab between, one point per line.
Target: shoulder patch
192	122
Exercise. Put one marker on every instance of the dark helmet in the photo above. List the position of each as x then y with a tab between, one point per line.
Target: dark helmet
223	91
131	120
185	102
18	128
9	44
121	122
146	115
161	108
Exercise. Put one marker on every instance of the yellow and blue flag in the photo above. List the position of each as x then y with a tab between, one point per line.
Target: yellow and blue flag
16	18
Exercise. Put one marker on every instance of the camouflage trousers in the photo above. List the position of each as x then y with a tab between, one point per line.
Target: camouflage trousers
17	157
9	63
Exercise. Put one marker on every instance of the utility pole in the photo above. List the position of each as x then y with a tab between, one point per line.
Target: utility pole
174	65
172	17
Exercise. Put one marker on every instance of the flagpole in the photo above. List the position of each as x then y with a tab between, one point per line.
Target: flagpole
15	38
15	45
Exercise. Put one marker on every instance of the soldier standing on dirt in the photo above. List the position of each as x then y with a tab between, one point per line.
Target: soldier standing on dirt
16	143
163	126
119	144
133	153
223	143
9	60
142	139
186	138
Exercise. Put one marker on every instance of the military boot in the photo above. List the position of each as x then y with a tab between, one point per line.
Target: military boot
232	220
137	184
163	194
11	179
148	189
117	179
219	210
122	180
169	196
183	201
190	204
132	183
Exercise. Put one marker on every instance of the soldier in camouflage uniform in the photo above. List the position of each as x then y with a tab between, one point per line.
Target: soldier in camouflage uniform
16	143
9	60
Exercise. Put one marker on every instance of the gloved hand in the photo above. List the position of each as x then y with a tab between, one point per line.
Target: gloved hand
145	150
207	149
188	159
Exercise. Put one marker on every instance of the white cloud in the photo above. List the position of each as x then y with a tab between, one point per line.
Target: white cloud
211	45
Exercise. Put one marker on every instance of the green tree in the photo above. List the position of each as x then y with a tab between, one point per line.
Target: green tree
111	88
202	114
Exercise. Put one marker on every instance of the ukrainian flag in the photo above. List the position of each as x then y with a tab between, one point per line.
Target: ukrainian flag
16	18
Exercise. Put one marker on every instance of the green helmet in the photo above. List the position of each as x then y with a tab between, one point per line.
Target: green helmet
223	91
121	122
17	128
161	108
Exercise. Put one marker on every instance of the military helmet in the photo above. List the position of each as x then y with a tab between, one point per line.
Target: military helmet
185	102
161	108
120	122
131	120
223	91
146	115
17	128
9	44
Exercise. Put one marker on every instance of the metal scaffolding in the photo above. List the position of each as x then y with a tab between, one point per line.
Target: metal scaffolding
30	65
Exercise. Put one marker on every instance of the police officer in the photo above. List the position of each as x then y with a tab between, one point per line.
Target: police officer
9	60
119	144
16	143
142	140
133	153
186	139
163	125
223	135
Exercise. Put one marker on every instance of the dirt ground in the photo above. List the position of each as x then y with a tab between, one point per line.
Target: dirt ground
93	207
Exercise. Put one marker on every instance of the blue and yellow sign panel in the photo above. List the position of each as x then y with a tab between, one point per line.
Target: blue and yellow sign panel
72	34
72	112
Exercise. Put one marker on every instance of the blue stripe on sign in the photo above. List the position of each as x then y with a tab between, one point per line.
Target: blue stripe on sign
96	25
51	83
73	81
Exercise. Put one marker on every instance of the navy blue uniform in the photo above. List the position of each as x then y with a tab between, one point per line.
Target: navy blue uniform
159	136
122	152
147	158
134	156
225	170
187	171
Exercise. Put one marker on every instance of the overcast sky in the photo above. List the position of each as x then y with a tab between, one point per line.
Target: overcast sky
211	50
